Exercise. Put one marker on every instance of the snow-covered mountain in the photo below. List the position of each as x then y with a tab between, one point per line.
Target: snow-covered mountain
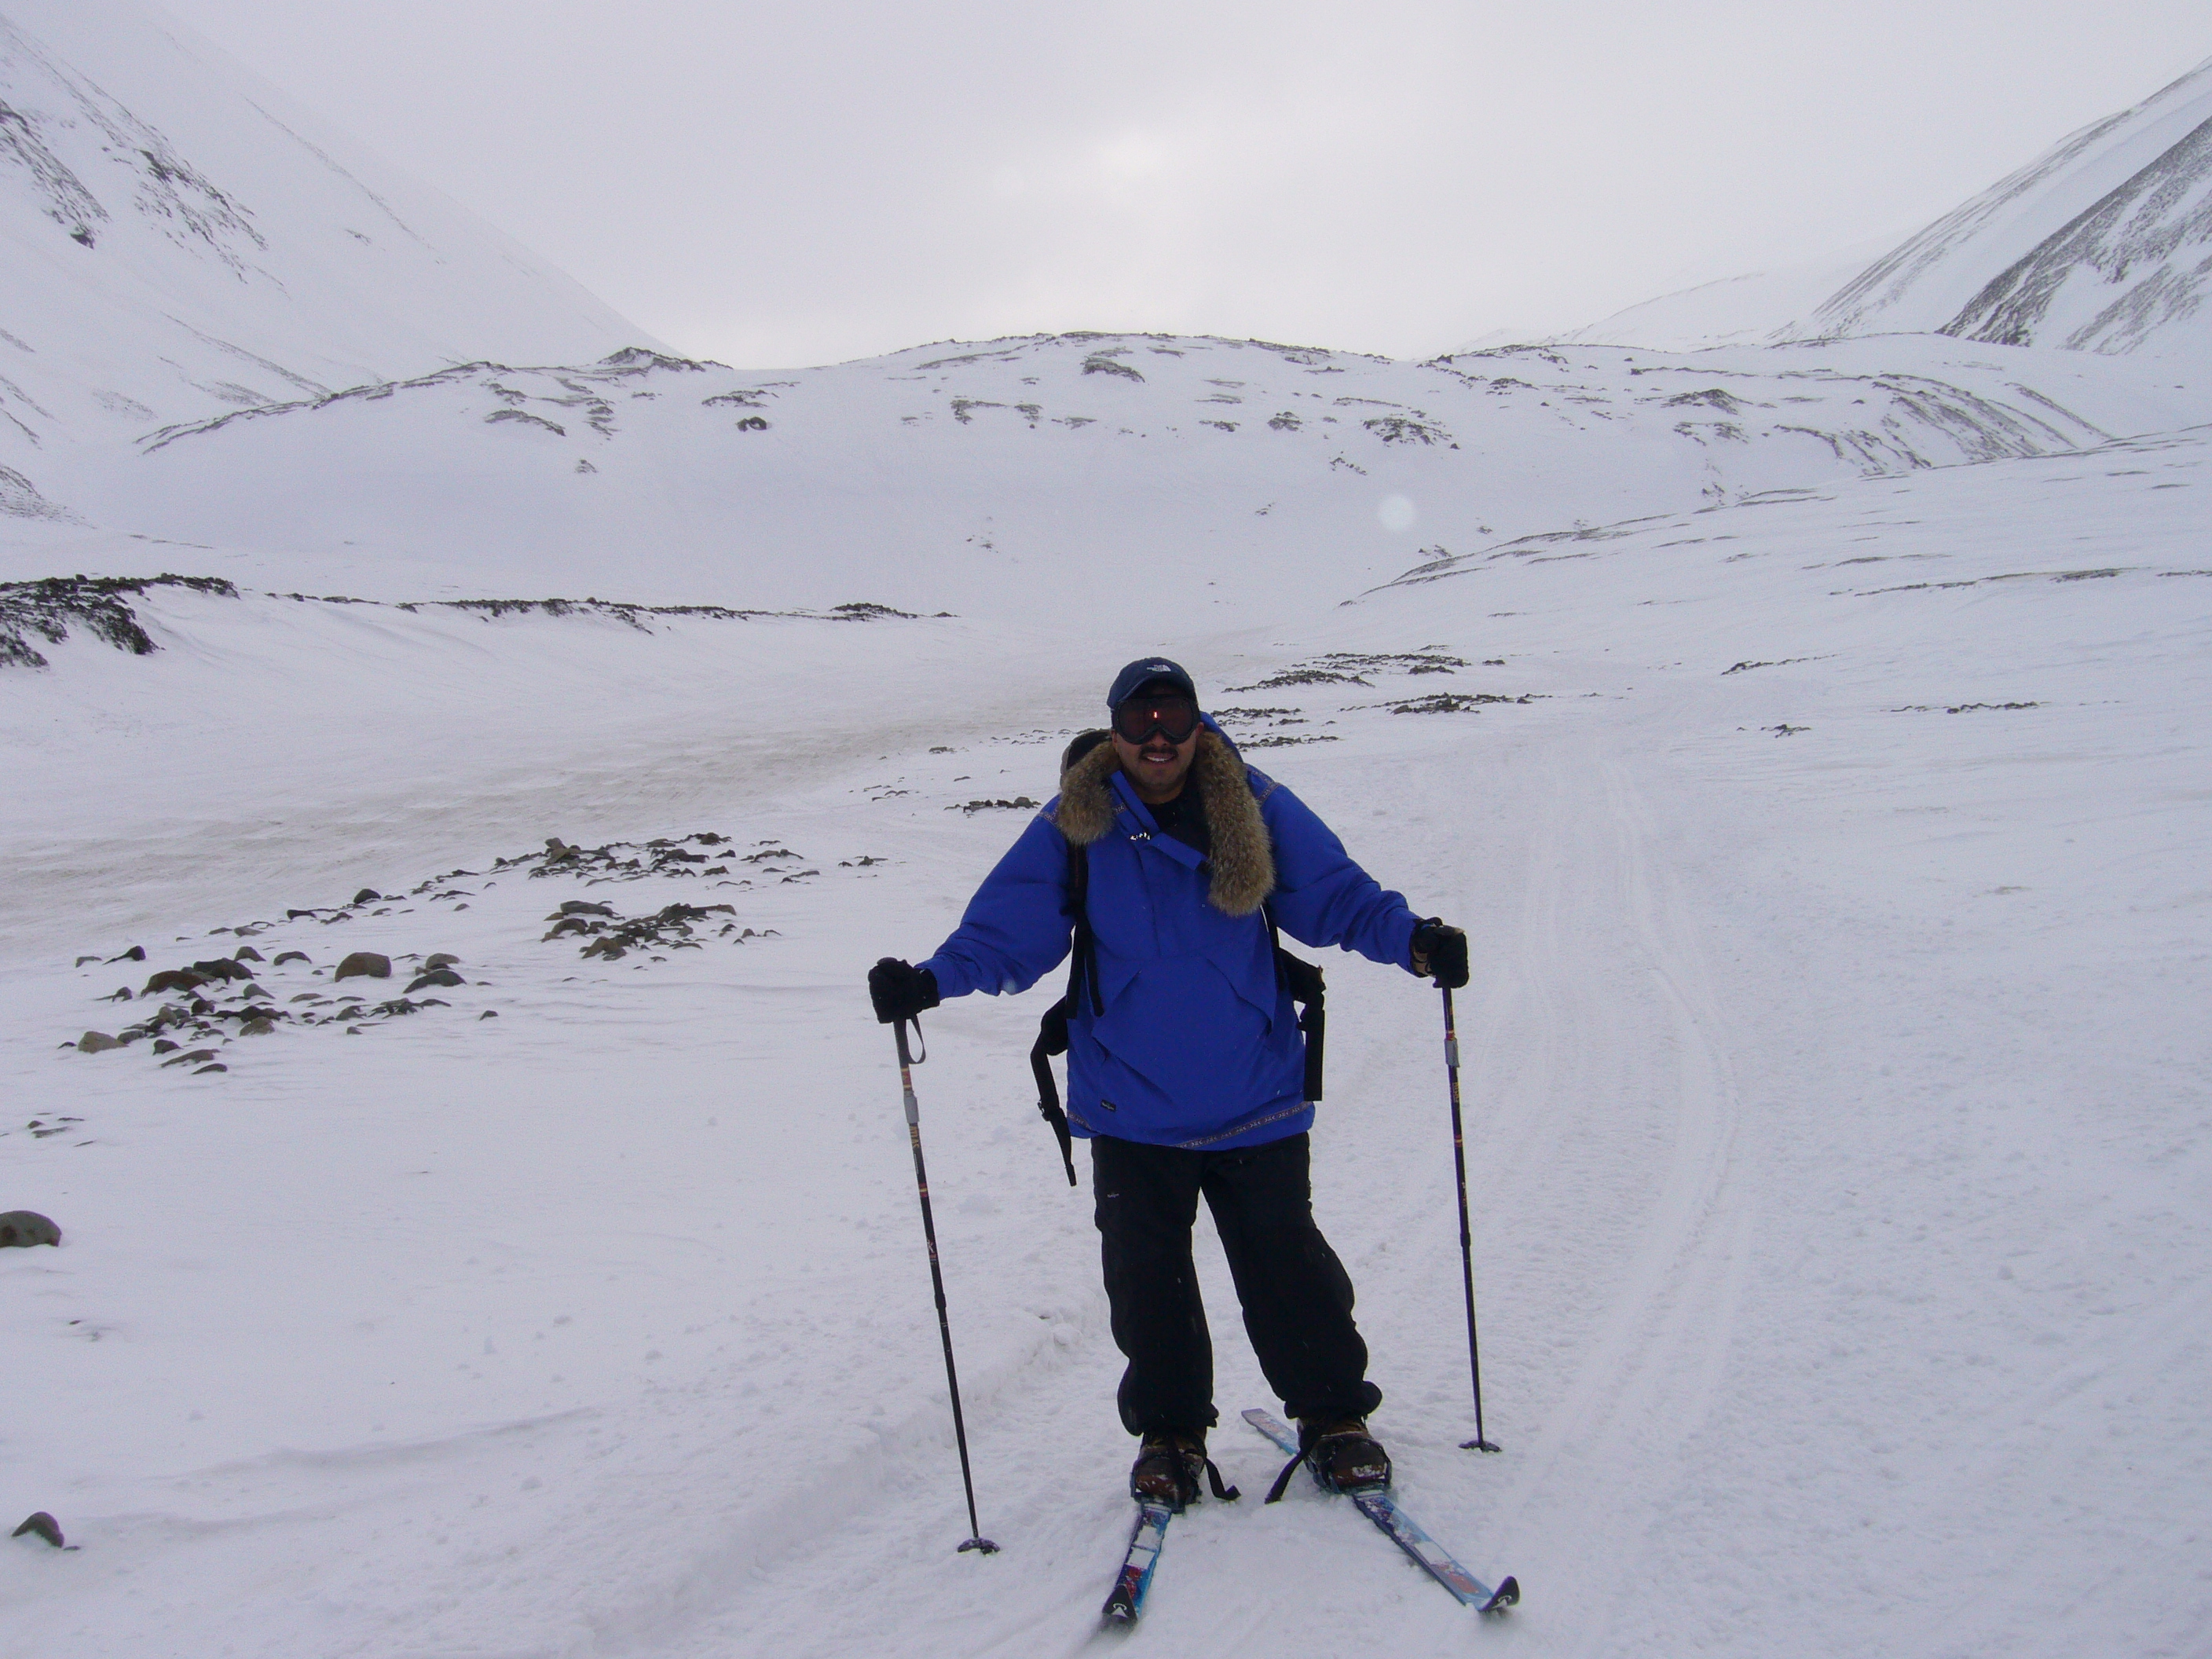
177	240
2103	243
977	477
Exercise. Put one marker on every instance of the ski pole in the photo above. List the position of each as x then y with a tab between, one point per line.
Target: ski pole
976	1540
1466	1238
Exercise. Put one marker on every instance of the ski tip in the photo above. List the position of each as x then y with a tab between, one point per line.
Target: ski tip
1117	1615
1504	1597
981	1545
1481	1445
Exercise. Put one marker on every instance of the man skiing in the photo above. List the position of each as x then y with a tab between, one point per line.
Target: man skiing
1170	863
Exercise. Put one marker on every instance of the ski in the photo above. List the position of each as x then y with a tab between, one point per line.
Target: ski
1405	1532
1126	1604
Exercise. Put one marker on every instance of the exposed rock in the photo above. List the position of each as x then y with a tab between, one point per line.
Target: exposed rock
205	1070
198	1056
438	959
367	896
164	1046
253	990
283	956
173	978
92	1042
488	1014
247	953
367	963
222	968
120	994
256	1028
81	961
41	1525
26	1228
445	976
582	908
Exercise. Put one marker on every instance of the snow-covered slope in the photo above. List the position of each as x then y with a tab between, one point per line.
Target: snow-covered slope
175	240
1836	1073
1746	310
2104	244
1072	469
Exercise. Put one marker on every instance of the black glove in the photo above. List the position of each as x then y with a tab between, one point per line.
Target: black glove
1440	953
900	990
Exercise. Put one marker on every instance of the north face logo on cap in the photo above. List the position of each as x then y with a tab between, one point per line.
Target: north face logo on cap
1160	668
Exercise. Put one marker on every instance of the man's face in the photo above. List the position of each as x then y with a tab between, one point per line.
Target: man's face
1156	762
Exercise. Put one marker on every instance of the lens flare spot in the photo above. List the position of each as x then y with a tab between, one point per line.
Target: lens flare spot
1396	513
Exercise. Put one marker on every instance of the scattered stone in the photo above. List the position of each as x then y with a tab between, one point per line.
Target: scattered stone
94	1043
438	959
26	1228
41	1525
174	979
253	990
367	963
198	1056
205	1070
285	957
445	976
247	953
222	968
81	961
120	994
164	1046
488	1014
367	896
135	953
257	1027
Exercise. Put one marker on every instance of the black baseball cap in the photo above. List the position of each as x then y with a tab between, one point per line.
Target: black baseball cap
1148	671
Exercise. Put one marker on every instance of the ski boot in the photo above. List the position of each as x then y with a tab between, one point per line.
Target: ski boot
1168	1468
1343	1456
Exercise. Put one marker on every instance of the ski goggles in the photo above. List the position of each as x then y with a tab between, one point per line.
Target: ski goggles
1142	719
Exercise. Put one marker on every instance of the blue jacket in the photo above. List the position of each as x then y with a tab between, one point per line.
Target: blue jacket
1199	1044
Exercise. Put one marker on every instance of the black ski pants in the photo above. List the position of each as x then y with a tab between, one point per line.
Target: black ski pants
1296	1295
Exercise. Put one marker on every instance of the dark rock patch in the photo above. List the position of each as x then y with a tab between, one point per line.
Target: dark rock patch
49	606
94	1042
41	1525
365	962
437	977
25	1228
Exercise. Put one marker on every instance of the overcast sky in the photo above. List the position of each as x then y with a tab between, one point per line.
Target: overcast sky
778	184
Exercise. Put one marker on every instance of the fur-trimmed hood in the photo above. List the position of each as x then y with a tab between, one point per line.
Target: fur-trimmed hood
1242	861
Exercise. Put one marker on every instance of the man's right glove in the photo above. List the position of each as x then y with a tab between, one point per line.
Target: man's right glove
1440	953
900	990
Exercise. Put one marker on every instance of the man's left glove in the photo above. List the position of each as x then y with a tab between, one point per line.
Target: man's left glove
1440	953
900	990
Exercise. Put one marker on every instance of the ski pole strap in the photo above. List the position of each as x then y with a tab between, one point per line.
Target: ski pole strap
1283	1480
1227	1494
1052	1039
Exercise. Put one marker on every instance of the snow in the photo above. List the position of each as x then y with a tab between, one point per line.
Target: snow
2098	245
1823	795
180	241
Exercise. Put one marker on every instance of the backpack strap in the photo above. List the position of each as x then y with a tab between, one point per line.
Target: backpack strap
1052	1029
1309	991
